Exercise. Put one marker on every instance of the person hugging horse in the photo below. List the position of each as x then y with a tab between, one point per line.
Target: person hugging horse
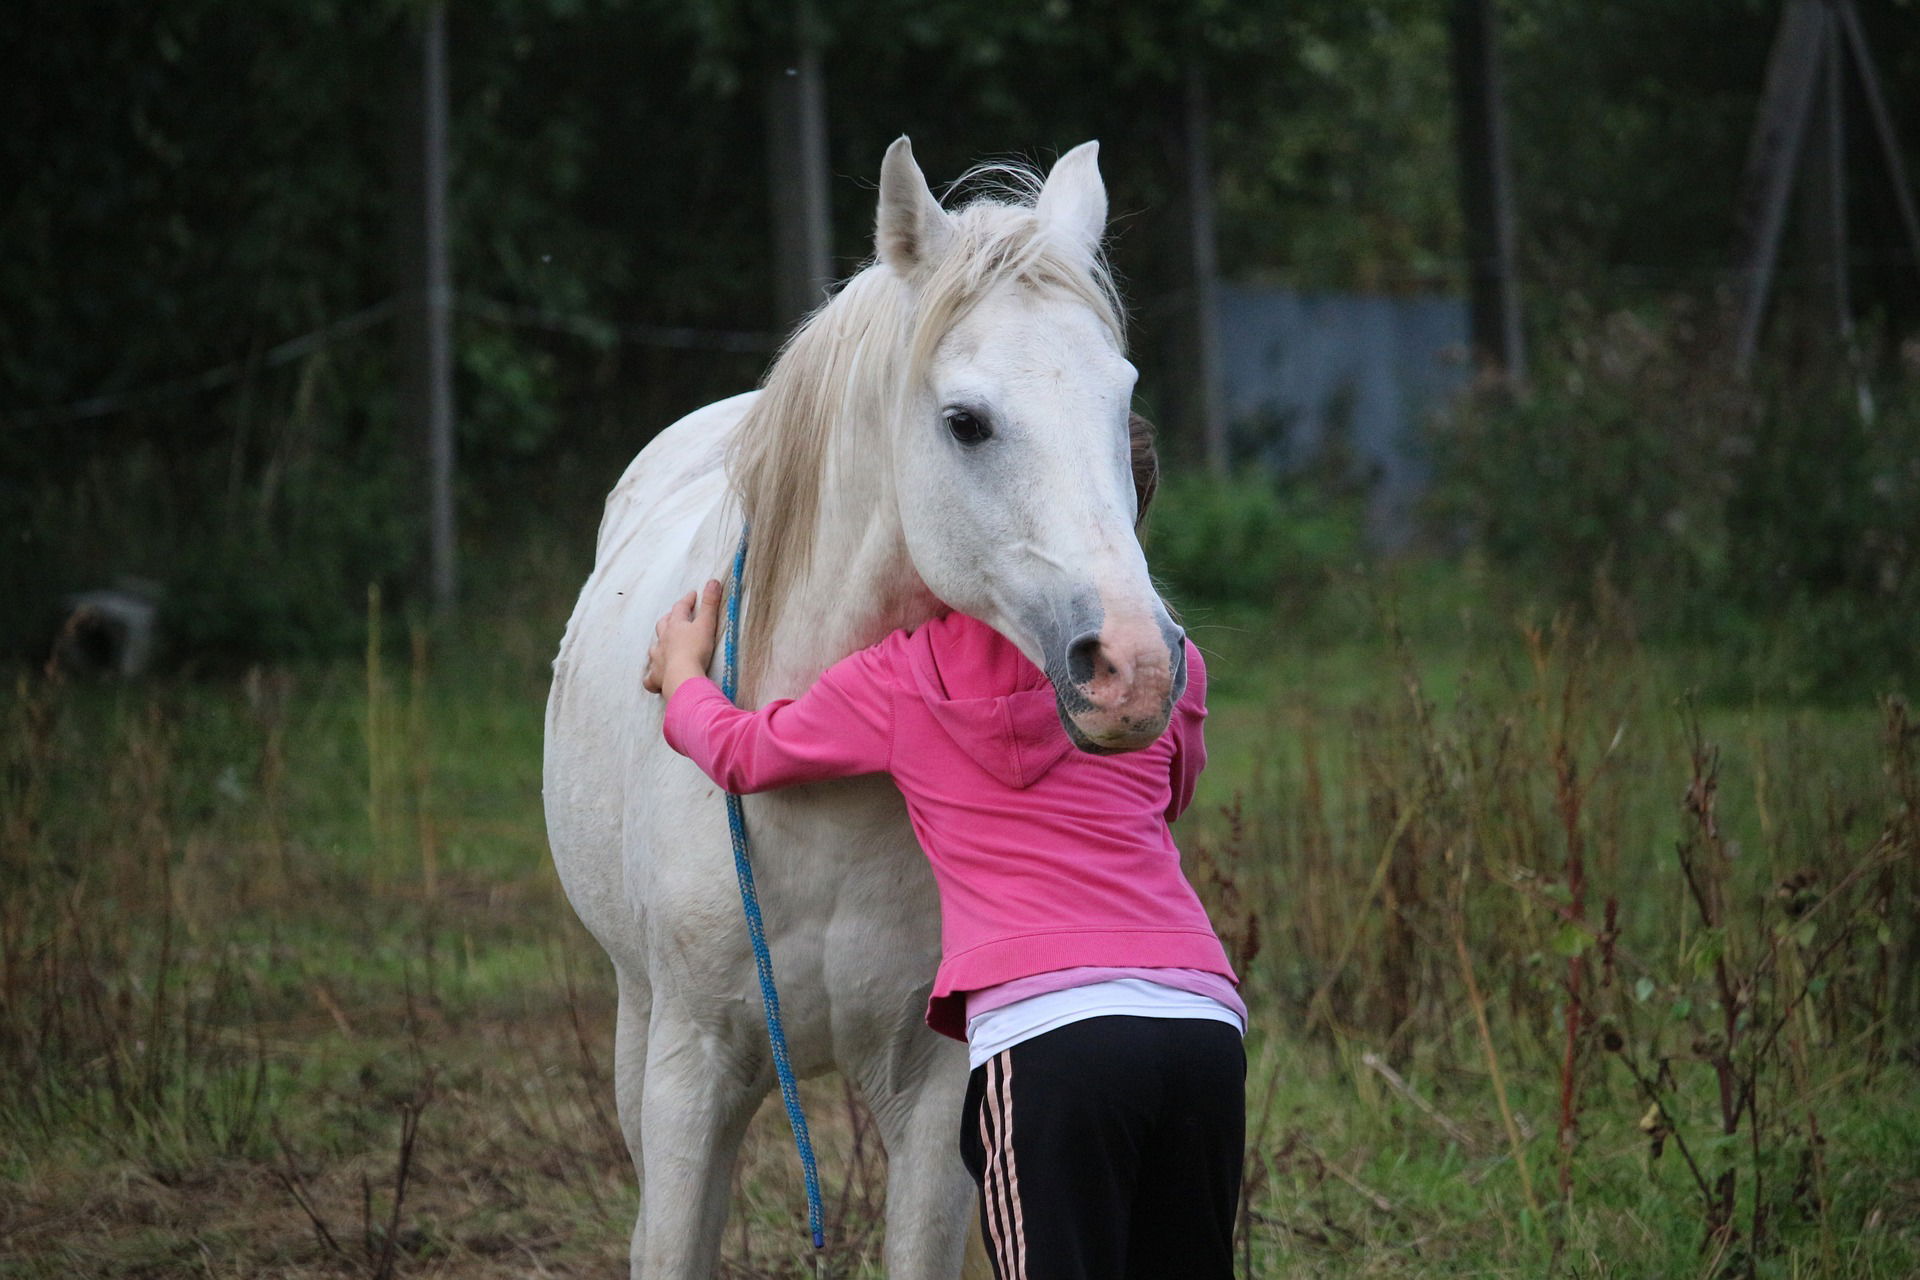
1105	1114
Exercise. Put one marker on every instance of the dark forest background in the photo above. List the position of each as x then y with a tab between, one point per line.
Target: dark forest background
190	185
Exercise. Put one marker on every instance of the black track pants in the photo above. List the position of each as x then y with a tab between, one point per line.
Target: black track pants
1109	1149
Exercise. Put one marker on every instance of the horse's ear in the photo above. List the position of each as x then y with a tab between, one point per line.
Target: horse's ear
911	228
1073	203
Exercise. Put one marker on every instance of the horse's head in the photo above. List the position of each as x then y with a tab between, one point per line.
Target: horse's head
1012	462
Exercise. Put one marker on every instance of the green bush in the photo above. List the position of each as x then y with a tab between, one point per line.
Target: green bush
1250	539
1772	523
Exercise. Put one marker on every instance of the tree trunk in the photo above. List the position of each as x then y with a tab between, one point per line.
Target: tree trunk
426	294
1205	264
797	167
1486	191
1823	193
1882	120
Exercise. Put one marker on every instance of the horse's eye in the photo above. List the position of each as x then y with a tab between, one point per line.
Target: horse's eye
967	427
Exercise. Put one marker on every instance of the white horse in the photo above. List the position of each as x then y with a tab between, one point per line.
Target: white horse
950	428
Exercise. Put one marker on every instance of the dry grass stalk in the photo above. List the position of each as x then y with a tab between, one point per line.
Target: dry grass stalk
1395	1081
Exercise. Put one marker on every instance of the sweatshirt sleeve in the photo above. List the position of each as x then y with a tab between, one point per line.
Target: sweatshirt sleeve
1189	735
841	727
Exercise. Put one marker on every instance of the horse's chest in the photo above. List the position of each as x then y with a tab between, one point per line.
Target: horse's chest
842	857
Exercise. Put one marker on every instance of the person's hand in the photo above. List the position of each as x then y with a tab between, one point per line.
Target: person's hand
683	640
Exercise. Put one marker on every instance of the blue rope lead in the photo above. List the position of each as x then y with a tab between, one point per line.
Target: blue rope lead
756	929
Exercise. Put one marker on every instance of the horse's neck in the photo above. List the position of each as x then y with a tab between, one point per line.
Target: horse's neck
840	612
861	584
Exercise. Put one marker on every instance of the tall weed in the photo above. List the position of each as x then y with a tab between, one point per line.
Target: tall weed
1558	893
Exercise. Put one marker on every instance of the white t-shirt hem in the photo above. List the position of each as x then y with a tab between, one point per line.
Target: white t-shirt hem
998	1030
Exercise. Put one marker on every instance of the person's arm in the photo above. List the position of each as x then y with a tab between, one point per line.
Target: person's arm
839	728
1189	734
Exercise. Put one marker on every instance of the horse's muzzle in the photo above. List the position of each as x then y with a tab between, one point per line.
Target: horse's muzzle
1115	686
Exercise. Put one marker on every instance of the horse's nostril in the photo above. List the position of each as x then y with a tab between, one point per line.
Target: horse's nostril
1083	659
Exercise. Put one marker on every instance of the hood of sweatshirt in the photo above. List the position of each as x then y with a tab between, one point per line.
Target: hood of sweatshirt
984	694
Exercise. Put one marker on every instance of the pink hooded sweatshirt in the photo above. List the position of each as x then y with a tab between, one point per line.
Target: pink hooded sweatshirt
1046	858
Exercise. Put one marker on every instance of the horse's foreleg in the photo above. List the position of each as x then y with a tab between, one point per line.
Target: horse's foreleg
915	1094
694	1109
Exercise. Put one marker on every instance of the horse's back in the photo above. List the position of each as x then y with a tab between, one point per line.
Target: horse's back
679	473
661	532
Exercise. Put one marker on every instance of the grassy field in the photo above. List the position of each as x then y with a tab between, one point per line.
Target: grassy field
1554	971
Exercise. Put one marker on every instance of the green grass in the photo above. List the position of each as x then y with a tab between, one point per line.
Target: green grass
250	926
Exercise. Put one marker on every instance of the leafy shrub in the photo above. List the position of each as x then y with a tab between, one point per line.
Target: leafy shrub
1773	522
1250	539
1613	463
